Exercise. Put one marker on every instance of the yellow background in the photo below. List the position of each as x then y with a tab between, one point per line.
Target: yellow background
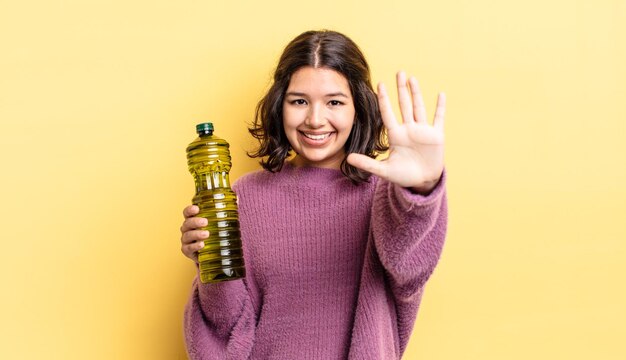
98	100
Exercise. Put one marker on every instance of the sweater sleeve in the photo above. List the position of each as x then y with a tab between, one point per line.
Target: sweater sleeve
220	318
219	321
409	232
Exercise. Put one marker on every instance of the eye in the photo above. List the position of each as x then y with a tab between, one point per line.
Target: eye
298	102
335	102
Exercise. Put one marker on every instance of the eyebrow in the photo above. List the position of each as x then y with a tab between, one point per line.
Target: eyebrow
294	93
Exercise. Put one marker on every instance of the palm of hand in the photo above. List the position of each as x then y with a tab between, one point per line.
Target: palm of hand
416	148
415	155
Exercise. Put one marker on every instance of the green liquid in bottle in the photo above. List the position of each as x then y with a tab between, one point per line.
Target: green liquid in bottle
208	158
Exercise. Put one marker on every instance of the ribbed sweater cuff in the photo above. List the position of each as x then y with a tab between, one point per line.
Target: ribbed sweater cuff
407	199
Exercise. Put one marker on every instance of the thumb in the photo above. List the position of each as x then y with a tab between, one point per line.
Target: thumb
368	164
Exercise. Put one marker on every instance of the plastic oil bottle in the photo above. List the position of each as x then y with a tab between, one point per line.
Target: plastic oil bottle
209	162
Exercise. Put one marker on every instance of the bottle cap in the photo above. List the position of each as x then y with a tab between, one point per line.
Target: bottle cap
204	127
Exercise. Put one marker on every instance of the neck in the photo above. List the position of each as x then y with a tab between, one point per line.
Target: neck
299	161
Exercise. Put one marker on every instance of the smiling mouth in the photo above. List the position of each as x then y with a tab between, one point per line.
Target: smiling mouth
317	137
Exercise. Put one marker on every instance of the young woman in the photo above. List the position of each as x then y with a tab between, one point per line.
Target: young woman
338	246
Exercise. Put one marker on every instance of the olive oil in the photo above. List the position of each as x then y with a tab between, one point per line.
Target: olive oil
209	162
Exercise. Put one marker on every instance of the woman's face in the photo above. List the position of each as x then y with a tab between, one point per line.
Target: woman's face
318	113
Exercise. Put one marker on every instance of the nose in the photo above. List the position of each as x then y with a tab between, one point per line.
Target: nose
315	117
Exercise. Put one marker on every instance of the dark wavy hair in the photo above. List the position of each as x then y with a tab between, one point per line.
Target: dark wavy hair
320	49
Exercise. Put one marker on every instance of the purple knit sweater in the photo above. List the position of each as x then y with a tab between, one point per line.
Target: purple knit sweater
334	270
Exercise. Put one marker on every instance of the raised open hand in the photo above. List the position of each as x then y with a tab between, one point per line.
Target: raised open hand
415	147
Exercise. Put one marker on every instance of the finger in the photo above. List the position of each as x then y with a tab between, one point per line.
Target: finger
440	112
193	223
191	250
368	164
404	98
419	109
192	236
389	119
190	210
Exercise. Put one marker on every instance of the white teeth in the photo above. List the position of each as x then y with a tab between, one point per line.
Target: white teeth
317	137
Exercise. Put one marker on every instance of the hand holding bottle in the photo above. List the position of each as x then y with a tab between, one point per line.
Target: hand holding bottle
191	238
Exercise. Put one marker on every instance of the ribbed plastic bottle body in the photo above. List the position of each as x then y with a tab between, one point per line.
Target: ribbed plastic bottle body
221	258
